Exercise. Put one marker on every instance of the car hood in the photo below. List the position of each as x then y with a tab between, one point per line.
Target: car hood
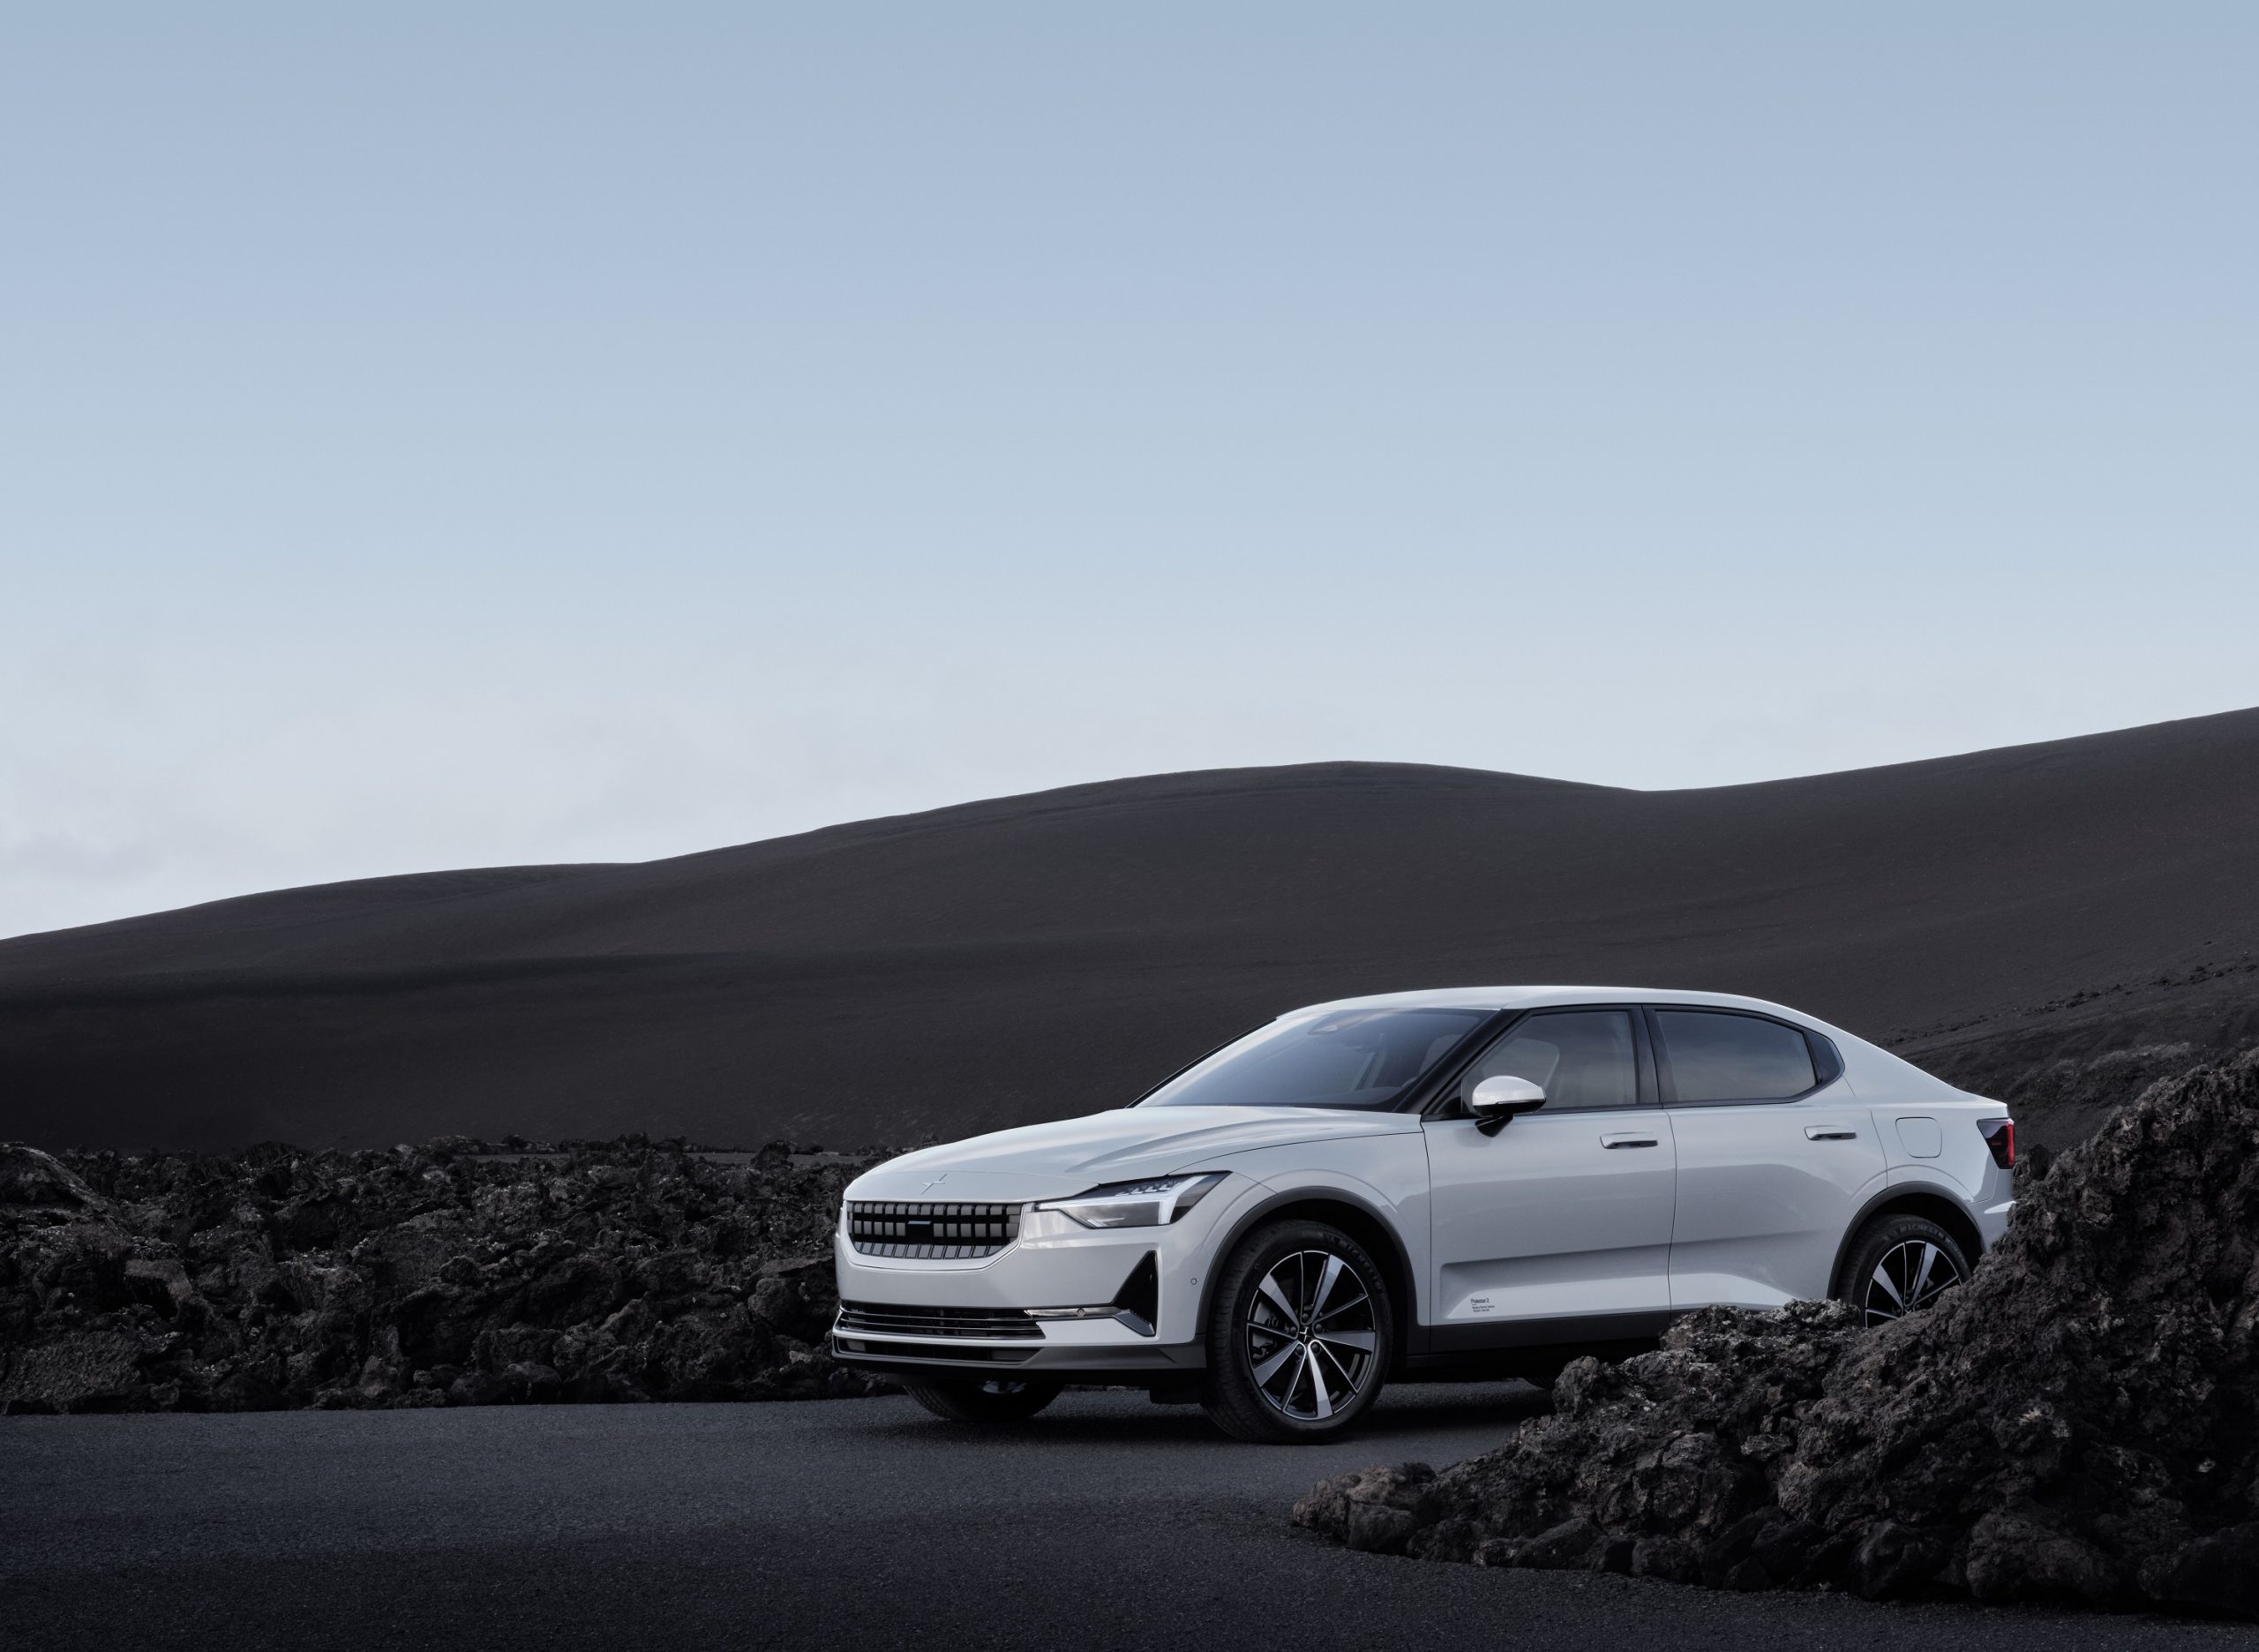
1055	1161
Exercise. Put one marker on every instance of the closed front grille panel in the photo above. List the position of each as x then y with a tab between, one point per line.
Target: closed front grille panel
897	1319
893	1228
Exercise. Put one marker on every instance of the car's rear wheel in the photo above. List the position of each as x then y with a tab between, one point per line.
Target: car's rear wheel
1299	1334
992	1403
1900	1264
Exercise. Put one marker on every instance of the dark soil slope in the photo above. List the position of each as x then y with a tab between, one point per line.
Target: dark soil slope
2080	1422
1041	956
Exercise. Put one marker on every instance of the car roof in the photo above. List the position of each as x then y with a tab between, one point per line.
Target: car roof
1531	997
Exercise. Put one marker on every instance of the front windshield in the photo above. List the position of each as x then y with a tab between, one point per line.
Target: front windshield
1348	1058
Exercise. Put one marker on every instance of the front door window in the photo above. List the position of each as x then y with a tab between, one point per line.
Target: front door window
1584	1060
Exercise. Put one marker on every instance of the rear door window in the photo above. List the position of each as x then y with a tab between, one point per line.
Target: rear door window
1718	1057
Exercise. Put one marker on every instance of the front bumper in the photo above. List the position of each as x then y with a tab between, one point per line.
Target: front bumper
1134	1367
1055	1262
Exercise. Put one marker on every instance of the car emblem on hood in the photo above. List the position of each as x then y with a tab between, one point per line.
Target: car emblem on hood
936	1183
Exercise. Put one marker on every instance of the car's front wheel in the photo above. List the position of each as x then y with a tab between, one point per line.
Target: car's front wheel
987	1404
1299	1334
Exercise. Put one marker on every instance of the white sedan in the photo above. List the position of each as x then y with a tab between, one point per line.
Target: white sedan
1428	1185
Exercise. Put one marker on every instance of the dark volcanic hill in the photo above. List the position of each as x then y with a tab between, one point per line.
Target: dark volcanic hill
1041	956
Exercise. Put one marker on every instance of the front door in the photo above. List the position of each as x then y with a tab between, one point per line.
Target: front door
1564	1215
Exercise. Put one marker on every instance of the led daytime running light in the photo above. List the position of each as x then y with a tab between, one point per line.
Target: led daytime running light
1152	1203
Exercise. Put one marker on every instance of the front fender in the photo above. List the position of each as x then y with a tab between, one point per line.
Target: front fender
1400	1220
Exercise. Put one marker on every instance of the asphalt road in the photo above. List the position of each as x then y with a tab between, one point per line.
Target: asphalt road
1109	1523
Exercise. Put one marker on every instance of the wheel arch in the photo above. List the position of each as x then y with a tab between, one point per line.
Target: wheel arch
1905	1200
1352	1216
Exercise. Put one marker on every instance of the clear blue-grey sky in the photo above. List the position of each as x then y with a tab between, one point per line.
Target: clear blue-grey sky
436	435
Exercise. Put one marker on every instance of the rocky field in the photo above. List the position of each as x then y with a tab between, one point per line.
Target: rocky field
447	1274
2080	1422
463	1273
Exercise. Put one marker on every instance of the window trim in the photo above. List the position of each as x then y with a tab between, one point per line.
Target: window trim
1438	1098
1826	1060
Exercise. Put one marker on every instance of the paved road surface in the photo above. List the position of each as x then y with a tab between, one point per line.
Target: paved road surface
1110	1524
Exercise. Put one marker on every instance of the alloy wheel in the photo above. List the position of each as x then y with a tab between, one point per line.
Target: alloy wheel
1309	1335
1910	1276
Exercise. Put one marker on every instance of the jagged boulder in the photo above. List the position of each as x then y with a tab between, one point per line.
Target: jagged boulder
34	1185
2078	1422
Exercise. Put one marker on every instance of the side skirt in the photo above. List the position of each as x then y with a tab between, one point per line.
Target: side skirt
1565	1331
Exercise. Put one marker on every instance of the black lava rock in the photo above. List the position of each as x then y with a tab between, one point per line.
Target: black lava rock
448	1274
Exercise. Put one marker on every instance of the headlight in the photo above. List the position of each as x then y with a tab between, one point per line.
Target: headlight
1153	1204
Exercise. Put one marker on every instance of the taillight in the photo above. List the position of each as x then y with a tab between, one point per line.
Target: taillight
2000	1135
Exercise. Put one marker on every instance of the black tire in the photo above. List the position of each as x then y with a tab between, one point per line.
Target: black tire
1313	1376
996	1403
1900	1264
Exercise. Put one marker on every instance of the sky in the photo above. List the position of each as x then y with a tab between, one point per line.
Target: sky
440	436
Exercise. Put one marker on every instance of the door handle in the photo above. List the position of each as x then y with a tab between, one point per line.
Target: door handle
1822	1132
1629	1139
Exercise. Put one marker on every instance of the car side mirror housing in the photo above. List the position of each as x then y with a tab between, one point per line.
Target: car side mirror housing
1496	1102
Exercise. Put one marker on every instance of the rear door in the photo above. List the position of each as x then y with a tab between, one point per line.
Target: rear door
1565	1213
1775	1156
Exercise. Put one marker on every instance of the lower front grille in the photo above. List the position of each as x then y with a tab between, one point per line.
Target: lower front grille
927	1351
896	1319
895	1228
